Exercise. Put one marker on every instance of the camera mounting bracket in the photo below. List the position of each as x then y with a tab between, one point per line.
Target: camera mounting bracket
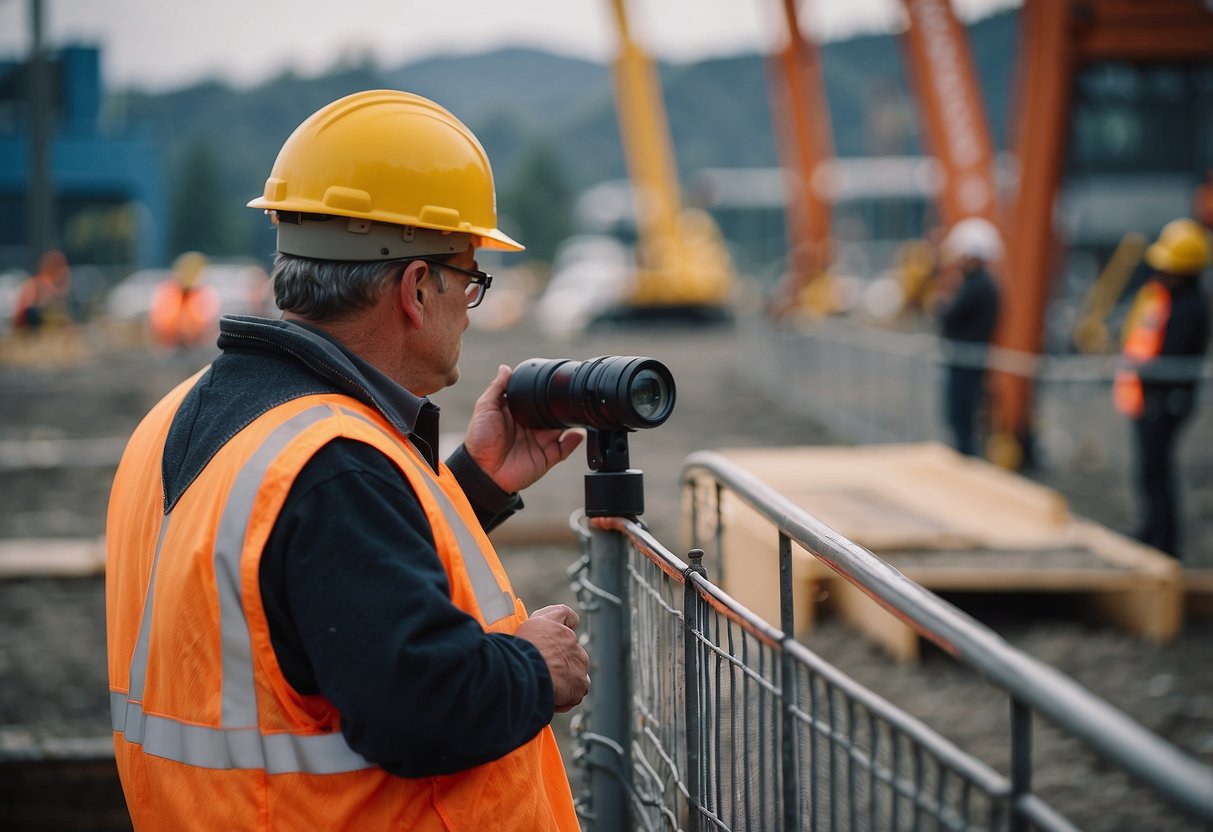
612	489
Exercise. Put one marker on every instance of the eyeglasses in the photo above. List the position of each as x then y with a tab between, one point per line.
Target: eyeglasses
478	281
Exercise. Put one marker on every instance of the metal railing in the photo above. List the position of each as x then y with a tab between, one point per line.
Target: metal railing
705	717
879	385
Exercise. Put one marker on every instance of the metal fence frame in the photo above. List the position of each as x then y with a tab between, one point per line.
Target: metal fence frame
705	717
871	385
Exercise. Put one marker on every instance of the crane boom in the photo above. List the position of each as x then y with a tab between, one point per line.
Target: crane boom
682	261
954	116
802	125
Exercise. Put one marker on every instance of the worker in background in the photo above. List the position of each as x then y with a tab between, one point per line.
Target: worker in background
1166	334
42	299
966	308
184	311
308	627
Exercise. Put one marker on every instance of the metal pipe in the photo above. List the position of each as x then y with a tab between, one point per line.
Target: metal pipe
1109	731
1021	759
609	668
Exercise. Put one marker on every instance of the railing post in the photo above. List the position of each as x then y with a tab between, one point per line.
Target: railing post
609	752
1021	760
787	675
690	656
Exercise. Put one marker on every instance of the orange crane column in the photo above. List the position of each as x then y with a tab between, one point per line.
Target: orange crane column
805	140
954	115
1046	62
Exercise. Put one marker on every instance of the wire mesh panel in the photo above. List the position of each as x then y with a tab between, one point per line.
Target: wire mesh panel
863	767
737	675
734	725
659	759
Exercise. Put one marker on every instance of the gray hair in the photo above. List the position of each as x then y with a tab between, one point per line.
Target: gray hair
325	290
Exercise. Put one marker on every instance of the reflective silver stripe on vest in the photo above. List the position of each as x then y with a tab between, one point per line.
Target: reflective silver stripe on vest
240	746
494	602
239	691
137	678
243	748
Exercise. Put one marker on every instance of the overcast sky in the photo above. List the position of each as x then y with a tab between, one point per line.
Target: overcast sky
160	44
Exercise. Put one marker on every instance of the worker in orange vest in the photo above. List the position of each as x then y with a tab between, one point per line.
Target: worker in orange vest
1165	336
42	299
184	310
308	627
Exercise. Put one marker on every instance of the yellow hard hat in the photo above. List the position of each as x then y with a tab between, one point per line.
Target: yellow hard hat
1182	248
384	159
187	268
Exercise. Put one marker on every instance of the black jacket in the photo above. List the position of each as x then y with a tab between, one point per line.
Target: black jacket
972	313
357	599
1169	383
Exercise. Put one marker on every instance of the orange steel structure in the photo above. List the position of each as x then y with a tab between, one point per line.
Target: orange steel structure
804	141
954	115
1057	39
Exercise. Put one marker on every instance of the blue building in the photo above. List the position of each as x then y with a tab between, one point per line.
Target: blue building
110	206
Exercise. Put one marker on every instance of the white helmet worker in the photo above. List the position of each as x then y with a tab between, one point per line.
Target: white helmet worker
974	237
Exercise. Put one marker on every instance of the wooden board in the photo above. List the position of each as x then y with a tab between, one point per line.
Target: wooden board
945	521
49	557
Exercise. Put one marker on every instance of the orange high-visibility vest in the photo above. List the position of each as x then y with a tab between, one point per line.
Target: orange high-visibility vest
181	318
208	734
1146	328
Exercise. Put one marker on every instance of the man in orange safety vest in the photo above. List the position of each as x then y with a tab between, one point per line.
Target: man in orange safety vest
1165	336
307	626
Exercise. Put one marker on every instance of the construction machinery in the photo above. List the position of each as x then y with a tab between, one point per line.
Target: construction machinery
682	264
805	144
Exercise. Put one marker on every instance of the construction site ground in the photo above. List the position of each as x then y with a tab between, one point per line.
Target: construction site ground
61	423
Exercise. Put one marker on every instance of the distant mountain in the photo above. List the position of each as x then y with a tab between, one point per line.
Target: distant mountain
515	99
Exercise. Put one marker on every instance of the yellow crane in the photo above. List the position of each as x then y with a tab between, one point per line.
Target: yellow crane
682	265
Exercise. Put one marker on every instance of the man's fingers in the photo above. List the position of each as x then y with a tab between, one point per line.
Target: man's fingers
563	613
569	440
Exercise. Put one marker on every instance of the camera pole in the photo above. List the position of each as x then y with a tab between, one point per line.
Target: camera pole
612	489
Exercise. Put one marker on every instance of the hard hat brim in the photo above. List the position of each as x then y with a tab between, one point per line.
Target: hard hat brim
1158	257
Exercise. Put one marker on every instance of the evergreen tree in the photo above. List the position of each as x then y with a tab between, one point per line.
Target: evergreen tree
199	219
538	202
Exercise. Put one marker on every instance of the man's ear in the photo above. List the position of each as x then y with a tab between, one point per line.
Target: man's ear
413	293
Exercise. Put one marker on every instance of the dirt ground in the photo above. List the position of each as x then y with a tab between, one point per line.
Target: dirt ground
52	668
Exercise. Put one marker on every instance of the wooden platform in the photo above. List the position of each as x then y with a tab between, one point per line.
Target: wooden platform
51	557
948	522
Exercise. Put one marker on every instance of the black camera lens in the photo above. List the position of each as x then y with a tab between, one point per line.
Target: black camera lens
611	392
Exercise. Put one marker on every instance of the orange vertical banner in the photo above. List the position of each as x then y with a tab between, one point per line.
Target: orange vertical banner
954	116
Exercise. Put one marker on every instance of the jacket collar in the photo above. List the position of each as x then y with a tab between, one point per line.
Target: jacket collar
330	360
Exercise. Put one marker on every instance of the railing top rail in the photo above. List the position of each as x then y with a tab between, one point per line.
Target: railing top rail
943	749
1054	367
1111	732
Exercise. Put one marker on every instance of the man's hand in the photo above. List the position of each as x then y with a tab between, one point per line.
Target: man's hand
551	630
513	456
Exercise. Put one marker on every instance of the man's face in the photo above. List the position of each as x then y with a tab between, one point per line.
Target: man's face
447	314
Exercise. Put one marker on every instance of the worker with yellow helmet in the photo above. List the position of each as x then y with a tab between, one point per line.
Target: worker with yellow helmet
1165	337
184	310
308	627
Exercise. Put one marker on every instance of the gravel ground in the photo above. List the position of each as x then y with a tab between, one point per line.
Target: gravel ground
52	668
